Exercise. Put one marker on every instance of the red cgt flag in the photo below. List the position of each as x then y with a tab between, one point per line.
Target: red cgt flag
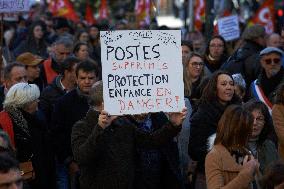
89	16
63	8
265	16
103	12
199	15
143	11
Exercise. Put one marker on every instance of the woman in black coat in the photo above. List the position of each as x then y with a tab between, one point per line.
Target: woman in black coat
217	95
35	42
216	53
28	135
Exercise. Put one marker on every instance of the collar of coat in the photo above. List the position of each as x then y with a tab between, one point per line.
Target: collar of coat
228	162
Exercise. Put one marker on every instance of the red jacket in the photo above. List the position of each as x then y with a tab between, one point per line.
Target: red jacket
7	125
49	72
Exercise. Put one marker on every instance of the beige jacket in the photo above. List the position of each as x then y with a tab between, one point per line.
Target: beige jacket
222	171
278	121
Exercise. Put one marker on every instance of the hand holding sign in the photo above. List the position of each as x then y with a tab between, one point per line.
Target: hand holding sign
105	119
142	71
177	118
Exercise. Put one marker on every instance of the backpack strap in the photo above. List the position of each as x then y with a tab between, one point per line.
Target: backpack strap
7	125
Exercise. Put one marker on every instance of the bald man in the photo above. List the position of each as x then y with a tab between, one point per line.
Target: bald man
273	40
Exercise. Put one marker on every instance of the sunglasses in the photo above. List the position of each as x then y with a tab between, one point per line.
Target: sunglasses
274	60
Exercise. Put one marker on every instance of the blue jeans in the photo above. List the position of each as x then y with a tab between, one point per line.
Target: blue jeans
62	176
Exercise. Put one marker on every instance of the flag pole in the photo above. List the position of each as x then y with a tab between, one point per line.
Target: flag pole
209	17
190	13
1	44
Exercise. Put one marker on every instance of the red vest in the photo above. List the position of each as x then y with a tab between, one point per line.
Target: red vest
50	74
7	125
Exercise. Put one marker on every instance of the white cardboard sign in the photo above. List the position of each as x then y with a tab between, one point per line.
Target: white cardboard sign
142	71
229	27
12	6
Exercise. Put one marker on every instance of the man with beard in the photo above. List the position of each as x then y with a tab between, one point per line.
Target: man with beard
61	49
271	76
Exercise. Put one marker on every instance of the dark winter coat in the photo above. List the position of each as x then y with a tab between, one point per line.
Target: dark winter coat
32	47
248	61
49	96
108	157
33	145
268	85
69	109
2	96
203	124
214	65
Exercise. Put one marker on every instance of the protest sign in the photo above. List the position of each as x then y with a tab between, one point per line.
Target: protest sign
228	27
142	71
12	6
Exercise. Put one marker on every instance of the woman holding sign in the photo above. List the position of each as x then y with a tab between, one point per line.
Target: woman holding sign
126	151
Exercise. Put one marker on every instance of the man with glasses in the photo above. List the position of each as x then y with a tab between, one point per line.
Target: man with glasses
51	67
10	174
271	76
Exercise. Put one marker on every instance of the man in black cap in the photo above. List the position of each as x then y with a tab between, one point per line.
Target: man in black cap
270	77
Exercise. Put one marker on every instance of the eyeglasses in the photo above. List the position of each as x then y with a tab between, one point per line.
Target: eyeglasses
195	64
216	45
270	60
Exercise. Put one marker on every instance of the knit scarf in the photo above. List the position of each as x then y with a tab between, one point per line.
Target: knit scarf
19	120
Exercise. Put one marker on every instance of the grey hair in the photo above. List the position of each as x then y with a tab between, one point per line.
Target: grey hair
239	80
21	94
96	94
65	40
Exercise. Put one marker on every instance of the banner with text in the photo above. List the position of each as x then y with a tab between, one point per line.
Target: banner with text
142	71
12	6
228	27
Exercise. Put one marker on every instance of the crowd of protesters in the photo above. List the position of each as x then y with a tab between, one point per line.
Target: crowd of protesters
55	133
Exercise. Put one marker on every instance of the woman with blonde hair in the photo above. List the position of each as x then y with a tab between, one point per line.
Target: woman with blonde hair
193	73
230	164
27	131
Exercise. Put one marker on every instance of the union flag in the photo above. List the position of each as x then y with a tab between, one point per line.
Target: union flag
103	11
199	14
63	8
89	16
265	16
